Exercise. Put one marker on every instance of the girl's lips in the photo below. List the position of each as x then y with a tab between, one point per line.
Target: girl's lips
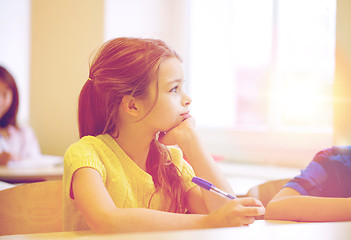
185	115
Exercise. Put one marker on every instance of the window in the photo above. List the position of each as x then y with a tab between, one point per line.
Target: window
261	77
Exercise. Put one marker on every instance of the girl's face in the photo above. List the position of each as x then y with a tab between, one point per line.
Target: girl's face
171	107
5	98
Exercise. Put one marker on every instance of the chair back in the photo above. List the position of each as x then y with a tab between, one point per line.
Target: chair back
31	208
266	191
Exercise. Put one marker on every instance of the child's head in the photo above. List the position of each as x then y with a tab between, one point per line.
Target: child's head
8	99
122	66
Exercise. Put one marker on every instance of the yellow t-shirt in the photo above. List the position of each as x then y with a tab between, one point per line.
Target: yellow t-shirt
128	185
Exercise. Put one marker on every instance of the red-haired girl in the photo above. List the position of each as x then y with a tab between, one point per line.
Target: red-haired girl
120	176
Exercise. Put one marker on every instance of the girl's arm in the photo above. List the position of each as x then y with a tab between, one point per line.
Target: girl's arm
185	136
102	216
288	204
205	167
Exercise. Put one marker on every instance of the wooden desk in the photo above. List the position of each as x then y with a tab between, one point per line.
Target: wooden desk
261	229
42	169
242	177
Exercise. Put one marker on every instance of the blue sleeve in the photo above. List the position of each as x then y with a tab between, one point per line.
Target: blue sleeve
310	180
327	175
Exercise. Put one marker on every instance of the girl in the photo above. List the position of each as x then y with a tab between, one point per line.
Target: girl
16	143
120	177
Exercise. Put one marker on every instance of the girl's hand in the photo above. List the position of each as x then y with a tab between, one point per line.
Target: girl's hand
179	134
235	213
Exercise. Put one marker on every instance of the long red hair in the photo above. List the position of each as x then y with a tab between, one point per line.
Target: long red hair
127	66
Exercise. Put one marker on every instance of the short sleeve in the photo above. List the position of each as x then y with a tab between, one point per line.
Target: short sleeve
186	170
310	181
80	155
327	174
188	174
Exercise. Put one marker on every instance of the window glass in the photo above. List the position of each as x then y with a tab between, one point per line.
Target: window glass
261	76
262	64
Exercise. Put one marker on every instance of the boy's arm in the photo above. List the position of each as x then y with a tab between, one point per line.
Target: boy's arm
288	204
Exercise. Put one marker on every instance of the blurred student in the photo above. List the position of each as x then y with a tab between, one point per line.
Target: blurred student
120	177
322	192
16	142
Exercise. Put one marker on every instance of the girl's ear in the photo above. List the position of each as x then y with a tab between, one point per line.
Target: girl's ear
129	105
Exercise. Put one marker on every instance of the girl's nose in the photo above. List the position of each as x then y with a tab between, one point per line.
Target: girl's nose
186	100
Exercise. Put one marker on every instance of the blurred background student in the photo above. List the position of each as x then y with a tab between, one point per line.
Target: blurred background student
16	142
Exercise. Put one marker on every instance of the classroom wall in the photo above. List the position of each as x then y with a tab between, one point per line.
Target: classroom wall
64	34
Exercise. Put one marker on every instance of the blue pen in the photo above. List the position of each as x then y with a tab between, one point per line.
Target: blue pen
209	186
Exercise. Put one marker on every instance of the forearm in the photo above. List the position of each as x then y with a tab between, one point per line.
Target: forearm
307	208
100	213
122	220
205	167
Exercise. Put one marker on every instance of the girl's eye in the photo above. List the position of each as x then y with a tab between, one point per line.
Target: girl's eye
175	89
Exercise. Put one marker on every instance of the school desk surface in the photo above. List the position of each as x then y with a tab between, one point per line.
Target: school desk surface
261	229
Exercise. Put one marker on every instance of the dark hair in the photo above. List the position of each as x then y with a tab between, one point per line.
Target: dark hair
10	117
127	66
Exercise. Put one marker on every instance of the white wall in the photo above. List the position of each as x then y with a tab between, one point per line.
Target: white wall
163	19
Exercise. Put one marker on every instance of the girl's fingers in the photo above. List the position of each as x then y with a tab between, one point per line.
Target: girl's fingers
172	135
248	220
253	211
249	201
251	207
